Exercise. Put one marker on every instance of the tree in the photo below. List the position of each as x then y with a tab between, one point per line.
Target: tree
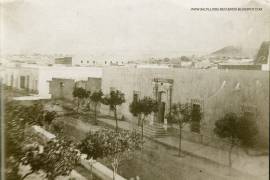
96	98
49	116
247	131
12	169
17	119
29	115
56	159
113	145
14	137
114	99
143	108
181	114
80	94
237	129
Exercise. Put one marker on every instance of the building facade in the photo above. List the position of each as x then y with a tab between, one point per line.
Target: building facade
37	78
213	92
62	88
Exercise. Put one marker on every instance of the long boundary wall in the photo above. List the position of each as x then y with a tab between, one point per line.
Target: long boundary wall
219	91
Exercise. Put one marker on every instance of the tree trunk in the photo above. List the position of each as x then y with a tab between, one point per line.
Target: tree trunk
89	105
139	119
115	167
116	121
96	114
113	174
78	105
91	171
27	174
180	139
142	121
230	153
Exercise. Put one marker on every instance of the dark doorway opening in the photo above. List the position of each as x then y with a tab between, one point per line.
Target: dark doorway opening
195	125
161	112
161	108
22	82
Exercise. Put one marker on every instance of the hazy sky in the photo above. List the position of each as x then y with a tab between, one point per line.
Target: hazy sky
128	27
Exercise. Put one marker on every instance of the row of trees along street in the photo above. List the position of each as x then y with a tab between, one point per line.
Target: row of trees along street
239	130
113	100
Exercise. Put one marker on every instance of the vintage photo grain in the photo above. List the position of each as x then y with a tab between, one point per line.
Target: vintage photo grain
134	89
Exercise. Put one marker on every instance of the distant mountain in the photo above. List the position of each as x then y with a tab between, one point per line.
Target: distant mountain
263	53
233	51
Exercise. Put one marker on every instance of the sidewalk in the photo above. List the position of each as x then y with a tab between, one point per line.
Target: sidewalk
253	165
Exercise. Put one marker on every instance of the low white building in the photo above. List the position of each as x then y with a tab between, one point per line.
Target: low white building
88	60
36	78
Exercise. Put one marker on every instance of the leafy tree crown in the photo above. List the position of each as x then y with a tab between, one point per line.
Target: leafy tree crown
144	106
107	142
96	96
238	129
57	159
114	99
80	93
180	113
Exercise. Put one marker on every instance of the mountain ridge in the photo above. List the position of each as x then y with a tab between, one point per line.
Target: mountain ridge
234	51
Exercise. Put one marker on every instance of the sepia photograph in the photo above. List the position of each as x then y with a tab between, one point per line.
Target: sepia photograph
134	89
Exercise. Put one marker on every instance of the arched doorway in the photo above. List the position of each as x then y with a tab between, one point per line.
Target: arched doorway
162	90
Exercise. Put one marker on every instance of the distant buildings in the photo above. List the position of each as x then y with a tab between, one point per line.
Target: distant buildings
261	62
87	60
64	61
240	66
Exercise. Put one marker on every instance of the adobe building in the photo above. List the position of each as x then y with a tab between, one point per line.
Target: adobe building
62	88
213	92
